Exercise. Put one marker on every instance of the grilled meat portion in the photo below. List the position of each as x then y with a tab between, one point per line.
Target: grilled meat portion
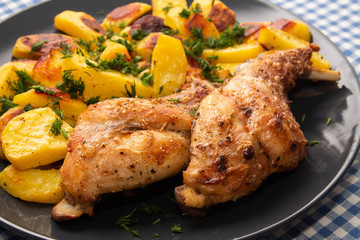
245	131
124	144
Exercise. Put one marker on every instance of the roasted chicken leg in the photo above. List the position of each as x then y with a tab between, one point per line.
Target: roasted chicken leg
124	144
245	131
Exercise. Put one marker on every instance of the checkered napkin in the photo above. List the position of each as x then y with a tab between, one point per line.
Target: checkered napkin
337	216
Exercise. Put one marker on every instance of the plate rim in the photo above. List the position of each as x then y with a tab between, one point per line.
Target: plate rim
351	156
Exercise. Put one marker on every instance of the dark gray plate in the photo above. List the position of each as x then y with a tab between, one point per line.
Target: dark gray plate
281	198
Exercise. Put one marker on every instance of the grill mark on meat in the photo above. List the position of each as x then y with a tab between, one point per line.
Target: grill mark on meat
248	152
221	163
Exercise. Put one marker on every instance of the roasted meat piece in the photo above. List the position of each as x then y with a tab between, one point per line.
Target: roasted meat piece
245	131
124	144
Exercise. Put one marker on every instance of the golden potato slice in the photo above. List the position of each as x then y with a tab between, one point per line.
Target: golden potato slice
47	70
238	53
28	141
71	107
296	28
37	45
33	185
222	16
79	25
125	15
4	119
174	21
168	65
276	39
162	7
145	47
8	73
106	84
205	6
112	49
197	20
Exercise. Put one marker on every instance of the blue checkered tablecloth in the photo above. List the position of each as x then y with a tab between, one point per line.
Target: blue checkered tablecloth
337	216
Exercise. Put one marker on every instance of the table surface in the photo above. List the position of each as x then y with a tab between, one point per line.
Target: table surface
337	215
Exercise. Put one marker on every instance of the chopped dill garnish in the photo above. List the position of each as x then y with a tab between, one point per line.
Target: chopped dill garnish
70	85
328	121
313	143
185	13
65	134
36	46
150	209
123	25
157	221
156	235
194	110
124	42
161	89
65	50
303	117
43	89
138	34
169	31
167	8
23	83
93	100
175	100
176	228
147	79
7	104
196	9
125	221
86	45
132	92
56	127
27	107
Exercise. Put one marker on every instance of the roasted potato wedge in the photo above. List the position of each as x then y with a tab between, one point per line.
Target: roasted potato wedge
78	25
168	65
174	21
33	185
112	49
238	53
4	119
47	70
145	47
106	84
222	16
276	39
37	45
71	107
162	7
296	28
205	6
197	20
28	141
125	15
8	74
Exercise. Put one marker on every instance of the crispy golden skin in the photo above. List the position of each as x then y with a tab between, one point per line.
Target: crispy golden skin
123	144
245	131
